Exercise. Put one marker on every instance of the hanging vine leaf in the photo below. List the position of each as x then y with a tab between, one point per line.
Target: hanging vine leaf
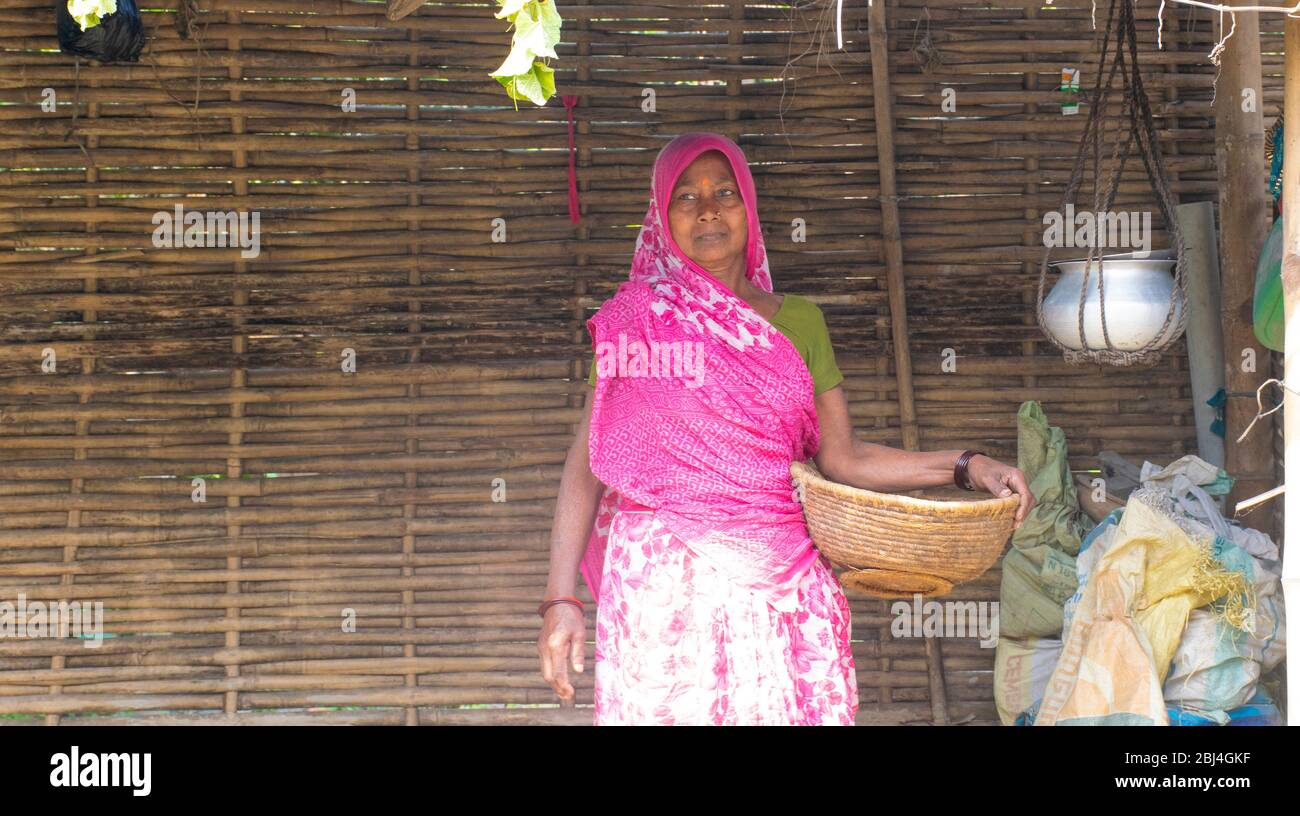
88	13
537	31
537	85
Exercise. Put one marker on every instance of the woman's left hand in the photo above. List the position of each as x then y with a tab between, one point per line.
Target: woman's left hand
1001	480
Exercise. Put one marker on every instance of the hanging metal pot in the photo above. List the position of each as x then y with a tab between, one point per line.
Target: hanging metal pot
1139	293
1111	311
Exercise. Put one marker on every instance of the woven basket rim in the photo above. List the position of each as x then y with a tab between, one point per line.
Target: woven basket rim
802	470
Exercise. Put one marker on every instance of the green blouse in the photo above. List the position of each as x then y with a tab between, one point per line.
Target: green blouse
802	321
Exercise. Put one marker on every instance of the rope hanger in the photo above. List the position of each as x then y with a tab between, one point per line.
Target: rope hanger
1136	113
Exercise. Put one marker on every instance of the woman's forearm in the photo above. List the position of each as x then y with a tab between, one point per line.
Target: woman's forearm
575	512
891	470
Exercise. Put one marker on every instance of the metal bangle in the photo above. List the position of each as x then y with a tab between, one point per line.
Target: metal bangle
960	477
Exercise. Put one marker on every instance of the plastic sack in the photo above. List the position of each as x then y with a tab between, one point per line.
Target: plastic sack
1021	669
1036	581
1217	666
1214	480
1130	620
1211	673
1258	710
119	37
1094	546
1038	572
1263	635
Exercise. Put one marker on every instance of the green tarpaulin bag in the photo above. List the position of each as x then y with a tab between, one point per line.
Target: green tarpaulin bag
1038	572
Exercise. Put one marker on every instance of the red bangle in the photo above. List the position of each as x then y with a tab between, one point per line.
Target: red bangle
569	599
959	475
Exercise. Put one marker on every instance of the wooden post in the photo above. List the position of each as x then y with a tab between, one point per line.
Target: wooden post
891	235
892	241
1291	355
1243	224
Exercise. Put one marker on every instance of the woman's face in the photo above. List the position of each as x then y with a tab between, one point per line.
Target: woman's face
706	213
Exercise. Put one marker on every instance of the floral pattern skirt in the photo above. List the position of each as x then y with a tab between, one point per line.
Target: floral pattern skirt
678	643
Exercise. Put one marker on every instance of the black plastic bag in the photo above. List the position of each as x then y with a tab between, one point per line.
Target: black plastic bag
119	37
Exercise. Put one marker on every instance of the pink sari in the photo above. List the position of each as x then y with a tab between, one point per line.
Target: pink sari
711	555
713	460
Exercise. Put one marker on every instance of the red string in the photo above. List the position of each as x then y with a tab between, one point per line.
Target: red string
574	214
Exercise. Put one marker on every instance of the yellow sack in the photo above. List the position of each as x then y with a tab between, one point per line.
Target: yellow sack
1168	595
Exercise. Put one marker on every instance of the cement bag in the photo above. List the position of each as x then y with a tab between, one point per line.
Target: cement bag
1021	669
1038	572
1211	672
1251	553
1130	620
1223	651
1262	615
1036	582
1168	596
1105	675
1095	545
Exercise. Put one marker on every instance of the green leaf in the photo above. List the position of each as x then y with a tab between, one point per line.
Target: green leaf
537	85
537	32
551	20
519	61
533	34
546	78
509	8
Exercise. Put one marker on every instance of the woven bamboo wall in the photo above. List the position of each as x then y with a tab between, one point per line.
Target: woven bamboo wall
372	491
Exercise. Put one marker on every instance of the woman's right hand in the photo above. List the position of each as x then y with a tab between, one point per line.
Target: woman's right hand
560	645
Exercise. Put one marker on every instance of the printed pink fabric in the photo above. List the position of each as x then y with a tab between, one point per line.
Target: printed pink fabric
677	643
712	455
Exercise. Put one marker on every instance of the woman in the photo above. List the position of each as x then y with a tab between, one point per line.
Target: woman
676	502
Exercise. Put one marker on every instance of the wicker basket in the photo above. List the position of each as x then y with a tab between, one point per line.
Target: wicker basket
893	546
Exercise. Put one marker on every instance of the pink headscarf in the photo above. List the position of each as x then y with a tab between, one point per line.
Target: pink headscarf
710	457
